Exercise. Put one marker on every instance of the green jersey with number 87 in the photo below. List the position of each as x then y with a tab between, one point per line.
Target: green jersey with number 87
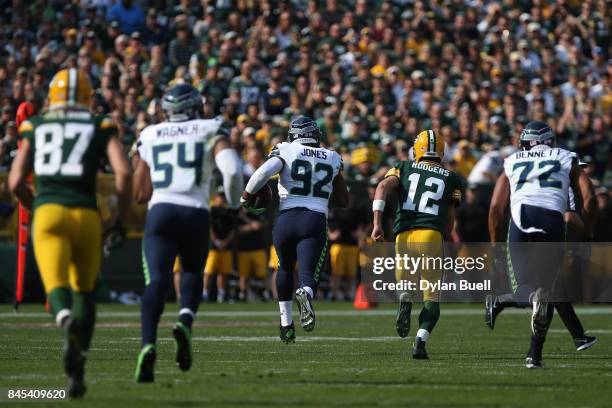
66	149
426	190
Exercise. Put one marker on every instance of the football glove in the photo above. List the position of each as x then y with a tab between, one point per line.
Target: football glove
114	238
247	202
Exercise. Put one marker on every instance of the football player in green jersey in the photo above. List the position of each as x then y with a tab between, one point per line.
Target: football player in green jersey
428	194
64	147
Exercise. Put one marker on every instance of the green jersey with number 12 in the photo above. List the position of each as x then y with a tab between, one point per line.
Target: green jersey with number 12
426	190
66	149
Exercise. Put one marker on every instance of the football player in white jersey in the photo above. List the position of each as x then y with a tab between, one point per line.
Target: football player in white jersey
309	174
579	224
174	162
536	180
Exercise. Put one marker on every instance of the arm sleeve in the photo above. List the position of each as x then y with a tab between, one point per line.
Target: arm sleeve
261	176
228	163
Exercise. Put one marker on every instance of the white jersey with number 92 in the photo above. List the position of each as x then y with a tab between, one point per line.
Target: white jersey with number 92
307	175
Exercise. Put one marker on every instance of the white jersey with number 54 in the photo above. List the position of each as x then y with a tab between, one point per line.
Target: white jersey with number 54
539	177
307	175
179	155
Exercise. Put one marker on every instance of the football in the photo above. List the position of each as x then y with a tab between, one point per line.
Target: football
263	197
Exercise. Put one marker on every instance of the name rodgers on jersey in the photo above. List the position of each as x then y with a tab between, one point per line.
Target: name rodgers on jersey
426	190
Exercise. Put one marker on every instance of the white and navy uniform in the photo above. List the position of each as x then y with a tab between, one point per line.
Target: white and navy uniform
300	232
180	159
539	183
179	155
307	175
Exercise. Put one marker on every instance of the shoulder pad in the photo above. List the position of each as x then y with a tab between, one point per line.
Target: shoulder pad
106	123
26	126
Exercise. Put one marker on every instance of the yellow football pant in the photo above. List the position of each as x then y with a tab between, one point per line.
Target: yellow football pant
218	262
344	259
253	263
67	246
416	243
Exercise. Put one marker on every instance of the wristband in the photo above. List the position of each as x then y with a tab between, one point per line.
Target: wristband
378	205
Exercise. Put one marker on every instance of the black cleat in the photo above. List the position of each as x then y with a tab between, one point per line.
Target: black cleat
307	314
585	342
490	314
182	335
402	320
418	351
287	333
74	360
145	364
533	362
539	316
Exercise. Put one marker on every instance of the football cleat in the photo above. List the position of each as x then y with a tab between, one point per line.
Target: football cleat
402	320
74	360
307	314
539	316
145	364
182	335
287	333
532	362
492	309
585	342
418	350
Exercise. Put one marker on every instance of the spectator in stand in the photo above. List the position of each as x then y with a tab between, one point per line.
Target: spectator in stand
128	14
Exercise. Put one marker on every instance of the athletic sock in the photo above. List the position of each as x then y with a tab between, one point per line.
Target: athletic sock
205	294
59	303
285	312
429	315
84	312
221	295
186	317
191	290
309	290
422	334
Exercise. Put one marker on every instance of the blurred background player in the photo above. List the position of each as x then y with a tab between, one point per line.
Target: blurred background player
343	225
174	165
252	254
220	262
535	182
64	146
310	178
428	194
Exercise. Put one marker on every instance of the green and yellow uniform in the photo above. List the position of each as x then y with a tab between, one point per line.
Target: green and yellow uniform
426	191
66	147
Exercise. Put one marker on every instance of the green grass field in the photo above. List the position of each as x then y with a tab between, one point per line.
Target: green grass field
352	358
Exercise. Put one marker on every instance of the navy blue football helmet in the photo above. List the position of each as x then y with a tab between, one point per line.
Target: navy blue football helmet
305	131
182	102
536	133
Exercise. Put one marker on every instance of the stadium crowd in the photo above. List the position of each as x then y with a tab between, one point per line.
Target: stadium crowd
372	73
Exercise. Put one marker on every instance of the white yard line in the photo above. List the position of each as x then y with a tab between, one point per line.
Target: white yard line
591	310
